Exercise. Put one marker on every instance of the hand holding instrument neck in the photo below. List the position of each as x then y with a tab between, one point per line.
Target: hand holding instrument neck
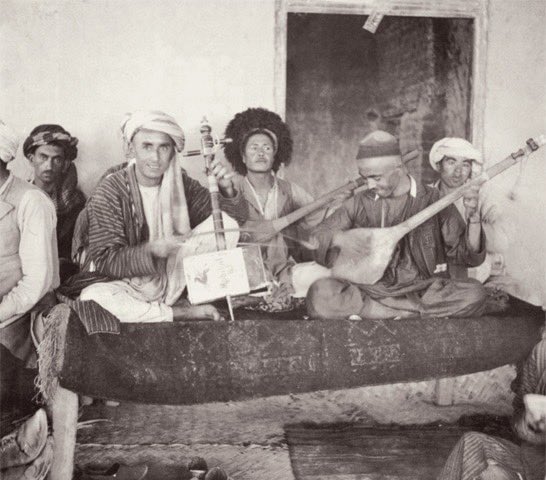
365	253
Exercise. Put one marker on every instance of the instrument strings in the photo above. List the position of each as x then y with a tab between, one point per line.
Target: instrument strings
305	243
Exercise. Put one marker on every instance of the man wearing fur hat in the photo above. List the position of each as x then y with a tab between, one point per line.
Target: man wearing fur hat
51	151
138	217
261	143
457	160
415	280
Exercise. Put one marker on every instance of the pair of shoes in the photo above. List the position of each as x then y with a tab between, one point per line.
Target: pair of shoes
24	444
35	470
116	471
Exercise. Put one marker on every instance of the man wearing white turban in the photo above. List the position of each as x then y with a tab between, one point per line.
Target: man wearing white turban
135	217
457	160
28	255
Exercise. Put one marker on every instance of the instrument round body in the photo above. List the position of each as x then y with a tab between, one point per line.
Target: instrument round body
365	253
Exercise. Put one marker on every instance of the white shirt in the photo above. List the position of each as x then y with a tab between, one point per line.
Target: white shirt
152	210
36	220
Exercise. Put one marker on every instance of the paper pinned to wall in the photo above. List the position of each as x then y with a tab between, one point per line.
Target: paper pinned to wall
373	21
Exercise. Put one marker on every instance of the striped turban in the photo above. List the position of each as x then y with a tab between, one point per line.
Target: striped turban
9	142
152	120
51	134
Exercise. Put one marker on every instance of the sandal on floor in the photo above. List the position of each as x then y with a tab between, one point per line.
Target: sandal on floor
37	470
24	444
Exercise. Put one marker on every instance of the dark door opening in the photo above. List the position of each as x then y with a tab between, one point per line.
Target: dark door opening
413	77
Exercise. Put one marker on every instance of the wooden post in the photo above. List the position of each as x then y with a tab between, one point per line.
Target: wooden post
64	411
443	392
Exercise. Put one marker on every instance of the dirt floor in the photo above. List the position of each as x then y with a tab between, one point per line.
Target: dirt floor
247	438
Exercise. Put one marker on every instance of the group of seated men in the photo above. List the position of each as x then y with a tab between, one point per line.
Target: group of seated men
129	232
129	236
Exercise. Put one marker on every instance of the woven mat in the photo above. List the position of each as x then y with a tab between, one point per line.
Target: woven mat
357	452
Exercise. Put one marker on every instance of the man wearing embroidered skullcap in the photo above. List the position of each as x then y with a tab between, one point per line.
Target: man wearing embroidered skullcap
415	281
29	264
137	216
457	160
51	151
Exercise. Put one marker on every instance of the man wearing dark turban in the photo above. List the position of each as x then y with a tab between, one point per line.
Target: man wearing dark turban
51	151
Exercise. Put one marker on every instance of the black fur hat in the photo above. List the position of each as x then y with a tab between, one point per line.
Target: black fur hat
257	120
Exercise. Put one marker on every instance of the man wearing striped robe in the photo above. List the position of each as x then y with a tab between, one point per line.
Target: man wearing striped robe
480	456
137	217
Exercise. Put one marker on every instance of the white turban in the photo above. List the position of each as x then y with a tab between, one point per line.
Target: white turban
456	148
9	142
152	120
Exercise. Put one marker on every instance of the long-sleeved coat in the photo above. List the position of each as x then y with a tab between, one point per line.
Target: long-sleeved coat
439	240
117	227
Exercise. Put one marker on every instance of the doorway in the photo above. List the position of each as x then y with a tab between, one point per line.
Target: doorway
413	77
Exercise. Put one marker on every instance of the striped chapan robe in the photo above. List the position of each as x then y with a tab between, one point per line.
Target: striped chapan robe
476	451
117	226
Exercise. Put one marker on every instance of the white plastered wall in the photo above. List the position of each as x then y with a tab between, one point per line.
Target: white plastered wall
84	64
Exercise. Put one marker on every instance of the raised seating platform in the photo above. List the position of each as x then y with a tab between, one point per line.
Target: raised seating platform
260	355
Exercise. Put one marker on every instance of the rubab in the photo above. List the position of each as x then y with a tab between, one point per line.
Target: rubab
264	230
365	253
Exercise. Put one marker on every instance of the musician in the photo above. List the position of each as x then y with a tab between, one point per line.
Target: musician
261	144
415	281
28	257
457	160
477	455
135	215
51	151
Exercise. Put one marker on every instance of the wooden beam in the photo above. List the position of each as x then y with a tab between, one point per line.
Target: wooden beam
64	410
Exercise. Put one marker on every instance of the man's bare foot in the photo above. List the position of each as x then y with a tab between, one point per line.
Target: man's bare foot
195	312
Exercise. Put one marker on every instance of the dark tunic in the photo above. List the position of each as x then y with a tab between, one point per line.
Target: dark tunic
419	258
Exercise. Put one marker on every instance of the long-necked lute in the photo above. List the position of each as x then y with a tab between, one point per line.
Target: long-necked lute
264	230
365	253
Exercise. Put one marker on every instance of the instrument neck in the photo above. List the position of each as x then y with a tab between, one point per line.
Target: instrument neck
217	219
318	203
454	195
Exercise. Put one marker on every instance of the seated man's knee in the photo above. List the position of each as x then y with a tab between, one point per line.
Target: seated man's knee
477	294
333	298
